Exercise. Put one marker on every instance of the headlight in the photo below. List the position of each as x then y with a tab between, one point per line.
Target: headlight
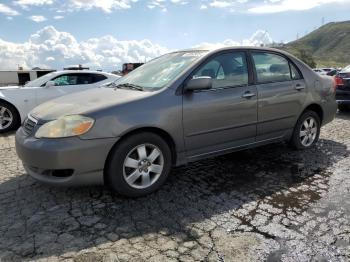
66	126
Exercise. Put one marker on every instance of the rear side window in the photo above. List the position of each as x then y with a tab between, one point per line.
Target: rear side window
271	68
226	70
98	78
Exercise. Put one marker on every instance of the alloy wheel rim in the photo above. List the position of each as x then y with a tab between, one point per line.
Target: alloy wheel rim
308	132
6	118
143	166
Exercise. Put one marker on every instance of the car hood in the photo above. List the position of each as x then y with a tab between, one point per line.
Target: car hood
86	102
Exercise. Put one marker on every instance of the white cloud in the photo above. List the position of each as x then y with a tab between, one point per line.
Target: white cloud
162	4
259	38
276	6
58	17
37	18
6	10
49	48
269	6
27	3
105	5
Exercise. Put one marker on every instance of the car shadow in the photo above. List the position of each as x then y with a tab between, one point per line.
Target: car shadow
38	221
8	134
343	115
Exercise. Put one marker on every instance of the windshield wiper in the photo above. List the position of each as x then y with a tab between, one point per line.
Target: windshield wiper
130	86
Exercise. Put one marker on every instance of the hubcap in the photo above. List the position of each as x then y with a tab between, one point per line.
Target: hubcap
308	132
143	166
6	118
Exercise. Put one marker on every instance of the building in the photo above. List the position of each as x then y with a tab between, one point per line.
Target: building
20	77
128	67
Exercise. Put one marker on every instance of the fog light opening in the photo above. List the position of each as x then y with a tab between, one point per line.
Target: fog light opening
62	173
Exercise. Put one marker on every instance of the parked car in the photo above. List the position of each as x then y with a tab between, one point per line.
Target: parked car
343	89
327	69
16	101
178	108
333	72
320	71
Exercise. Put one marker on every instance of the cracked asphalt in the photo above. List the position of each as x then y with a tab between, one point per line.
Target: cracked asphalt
265	204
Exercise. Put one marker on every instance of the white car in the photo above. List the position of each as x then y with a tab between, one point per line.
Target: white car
320	71
16	102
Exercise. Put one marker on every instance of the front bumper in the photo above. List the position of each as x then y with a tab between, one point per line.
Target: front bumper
66	161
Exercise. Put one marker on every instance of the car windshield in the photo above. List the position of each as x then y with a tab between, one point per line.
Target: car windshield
159	72
40	81
346	69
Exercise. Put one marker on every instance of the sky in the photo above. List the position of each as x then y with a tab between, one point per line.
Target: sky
103	34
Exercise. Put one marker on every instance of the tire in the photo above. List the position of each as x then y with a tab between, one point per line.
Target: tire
135	158
9	118
301	132
343	108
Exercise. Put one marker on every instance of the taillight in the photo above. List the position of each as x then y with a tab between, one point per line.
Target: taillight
338	81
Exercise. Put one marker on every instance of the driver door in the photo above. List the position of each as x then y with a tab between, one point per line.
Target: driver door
225	116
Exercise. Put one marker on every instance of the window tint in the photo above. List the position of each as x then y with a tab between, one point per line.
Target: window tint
271	68
98	78
73	79
226	70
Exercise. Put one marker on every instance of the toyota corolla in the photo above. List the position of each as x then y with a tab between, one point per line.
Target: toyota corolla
178	108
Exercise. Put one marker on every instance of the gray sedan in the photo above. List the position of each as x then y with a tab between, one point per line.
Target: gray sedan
178	108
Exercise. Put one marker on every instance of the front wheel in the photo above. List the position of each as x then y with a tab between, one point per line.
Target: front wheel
9	119
306	131
139	165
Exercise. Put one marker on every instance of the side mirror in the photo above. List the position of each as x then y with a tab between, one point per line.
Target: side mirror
200	83
50	83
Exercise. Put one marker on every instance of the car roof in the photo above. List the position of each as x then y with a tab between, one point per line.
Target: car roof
81	71
216	49
213	50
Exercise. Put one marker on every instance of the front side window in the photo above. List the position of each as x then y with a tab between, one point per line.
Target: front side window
271	68
226	70
73	79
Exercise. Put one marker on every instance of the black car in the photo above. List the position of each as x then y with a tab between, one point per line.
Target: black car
343	89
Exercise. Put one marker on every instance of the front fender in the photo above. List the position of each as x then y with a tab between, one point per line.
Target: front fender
22	102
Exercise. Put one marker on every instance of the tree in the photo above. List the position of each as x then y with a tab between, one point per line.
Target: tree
306	57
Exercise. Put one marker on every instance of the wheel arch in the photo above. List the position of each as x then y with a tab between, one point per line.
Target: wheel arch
158	131
317	109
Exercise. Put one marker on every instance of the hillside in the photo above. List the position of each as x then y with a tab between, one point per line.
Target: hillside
329	45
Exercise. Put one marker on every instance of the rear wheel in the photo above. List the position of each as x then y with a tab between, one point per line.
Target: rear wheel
139	165
9	119
306	131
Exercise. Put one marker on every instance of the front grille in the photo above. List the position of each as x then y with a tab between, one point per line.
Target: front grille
29	125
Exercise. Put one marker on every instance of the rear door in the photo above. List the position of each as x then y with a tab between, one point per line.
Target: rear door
225	116
281	94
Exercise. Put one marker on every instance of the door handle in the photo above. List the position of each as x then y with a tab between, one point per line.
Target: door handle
248	95
299	87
